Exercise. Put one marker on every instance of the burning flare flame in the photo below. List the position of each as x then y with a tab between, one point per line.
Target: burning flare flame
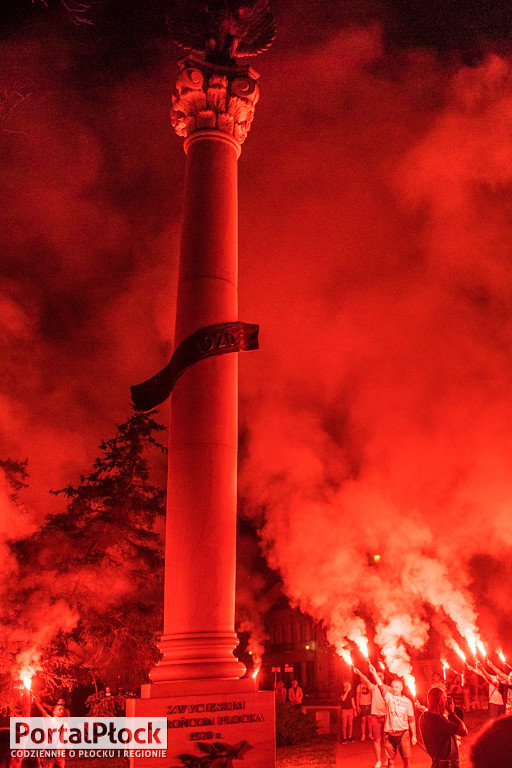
256	670
410	682
26	674
345	655
471	640
502	656
362	644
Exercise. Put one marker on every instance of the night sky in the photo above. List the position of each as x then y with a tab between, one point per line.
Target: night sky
375	253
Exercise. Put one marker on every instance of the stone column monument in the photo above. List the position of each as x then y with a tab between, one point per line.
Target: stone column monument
210	710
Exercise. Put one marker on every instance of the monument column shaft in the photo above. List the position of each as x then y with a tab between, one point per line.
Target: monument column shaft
212	109
199	636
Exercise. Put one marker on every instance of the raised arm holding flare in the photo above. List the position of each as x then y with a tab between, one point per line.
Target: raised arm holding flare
500	674
497	689
399	725
377	715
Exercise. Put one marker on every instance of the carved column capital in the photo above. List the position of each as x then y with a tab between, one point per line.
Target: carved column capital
213	96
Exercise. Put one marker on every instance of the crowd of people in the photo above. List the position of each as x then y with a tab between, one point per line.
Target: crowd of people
294	695
392	717
471	690
387	719
388	715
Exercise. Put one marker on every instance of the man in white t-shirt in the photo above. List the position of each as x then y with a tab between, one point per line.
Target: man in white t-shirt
399	721
377	716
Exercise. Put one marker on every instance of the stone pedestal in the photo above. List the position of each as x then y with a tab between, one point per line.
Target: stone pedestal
212	718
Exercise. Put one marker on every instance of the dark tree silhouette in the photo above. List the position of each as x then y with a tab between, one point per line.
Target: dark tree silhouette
101	559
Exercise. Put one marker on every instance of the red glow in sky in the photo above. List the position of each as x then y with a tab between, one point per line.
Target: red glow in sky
375	196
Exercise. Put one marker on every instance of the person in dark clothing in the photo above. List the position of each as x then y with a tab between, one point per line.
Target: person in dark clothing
347	712
439	731
492	747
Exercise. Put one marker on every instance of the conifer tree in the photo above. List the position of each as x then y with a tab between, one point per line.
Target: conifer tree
101	559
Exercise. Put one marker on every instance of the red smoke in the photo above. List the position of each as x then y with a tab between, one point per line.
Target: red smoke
375	194
379	407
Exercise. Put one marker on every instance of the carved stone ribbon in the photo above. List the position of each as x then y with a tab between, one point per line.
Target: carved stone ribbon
207	342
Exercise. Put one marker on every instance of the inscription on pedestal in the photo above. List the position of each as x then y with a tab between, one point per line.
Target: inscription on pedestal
214	729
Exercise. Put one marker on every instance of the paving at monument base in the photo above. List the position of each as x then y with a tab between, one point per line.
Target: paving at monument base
325	752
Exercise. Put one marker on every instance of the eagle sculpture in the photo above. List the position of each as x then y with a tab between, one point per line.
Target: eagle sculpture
223	30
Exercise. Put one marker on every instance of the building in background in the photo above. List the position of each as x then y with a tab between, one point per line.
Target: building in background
297	649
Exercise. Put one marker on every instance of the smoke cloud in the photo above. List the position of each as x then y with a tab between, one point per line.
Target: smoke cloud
379	407
375	190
